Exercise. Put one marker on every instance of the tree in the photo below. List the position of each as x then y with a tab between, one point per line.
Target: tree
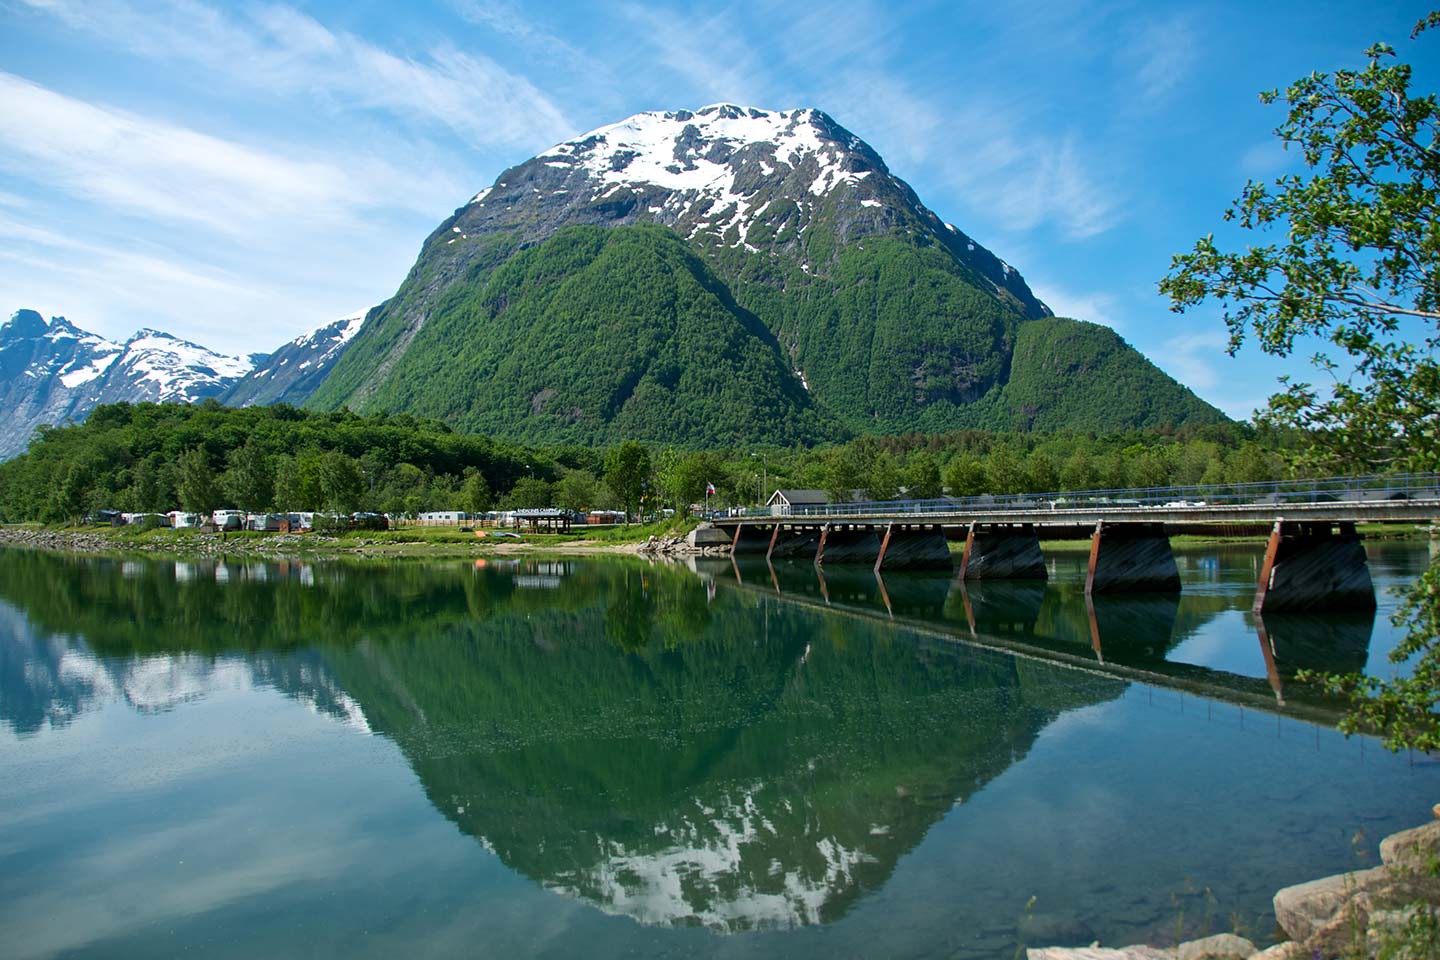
1041	474
195	482
627	468
248	481
1357	267
843	472
1005	472
575	491
286	488
475	495
340	482
1079	471
882	480
965	477
684	477
922	477
530	492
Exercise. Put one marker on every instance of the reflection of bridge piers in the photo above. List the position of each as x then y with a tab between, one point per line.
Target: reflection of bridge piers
1124	636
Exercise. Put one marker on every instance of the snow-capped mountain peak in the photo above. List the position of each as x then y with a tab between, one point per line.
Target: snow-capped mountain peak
724	176
291	373
164	367
714	152
55	373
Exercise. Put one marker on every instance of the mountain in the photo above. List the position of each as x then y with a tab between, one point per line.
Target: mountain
54	372
723	276
291	374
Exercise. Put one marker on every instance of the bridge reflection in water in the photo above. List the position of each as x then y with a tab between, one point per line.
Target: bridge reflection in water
1132	636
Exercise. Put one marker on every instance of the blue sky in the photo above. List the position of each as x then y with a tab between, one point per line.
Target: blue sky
238	173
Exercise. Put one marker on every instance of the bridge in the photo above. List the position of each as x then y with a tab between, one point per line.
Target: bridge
1314	558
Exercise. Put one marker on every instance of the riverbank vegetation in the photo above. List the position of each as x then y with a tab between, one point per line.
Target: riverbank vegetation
160	457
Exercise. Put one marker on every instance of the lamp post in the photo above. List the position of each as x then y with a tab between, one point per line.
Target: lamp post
765	475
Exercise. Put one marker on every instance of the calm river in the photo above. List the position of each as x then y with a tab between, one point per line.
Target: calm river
605	758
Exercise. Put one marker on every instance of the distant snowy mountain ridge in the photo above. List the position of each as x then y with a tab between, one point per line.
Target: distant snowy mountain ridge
55	373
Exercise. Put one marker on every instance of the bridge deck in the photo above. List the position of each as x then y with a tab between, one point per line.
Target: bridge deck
1357	511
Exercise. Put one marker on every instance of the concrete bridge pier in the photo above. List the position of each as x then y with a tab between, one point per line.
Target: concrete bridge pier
848	543
750	539
913	546
1316	565
1131	558
792	542
1002	551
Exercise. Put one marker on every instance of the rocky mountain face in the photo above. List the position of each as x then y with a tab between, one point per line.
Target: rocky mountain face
55	373
291	373
727	275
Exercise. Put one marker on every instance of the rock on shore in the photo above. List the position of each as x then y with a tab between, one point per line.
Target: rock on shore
1358	914
706	540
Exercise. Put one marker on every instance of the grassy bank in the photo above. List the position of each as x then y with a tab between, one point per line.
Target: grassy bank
436	542
442	542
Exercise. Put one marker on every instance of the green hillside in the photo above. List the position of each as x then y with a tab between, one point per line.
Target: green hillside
597	334
593	335
1068	374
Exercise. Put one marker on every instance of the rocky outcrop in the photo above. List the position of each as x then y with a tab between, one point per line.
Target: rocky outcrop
706	540
1366	913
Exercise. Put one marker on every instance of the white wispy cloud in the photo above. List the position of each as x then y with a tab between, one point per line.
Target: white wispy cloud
1191	358
1094	306
1164	52
521	26
283	50
160	170
985	146
710	53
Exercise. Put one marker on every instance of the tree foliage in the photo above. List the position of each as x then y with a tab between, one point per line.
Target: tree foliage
627	469
195	483
1356	268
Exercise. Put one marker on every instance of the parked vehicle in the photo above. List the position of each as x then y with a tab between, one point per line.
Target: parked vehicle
229	519
113	518
264	522
146	521
369	521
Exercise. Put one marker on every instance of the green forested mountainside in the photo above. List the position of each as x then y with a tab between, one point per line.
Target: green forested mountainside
591	336
727	275
600	334
1068	374
891	329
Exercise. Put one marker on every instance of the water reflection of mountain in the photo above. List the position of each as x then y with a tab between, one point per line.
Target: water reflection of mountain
623	735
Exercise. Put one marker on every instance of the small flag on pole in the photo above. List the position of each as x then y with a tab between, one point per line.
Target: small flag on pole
709	489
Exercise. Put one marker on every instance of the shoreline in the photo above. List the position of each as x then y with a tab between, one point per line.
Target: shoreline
448	545
283	546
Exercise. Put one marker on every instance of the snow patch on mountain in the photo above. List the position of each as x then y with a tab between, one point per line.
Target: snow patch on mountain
75	374
713	164
168	368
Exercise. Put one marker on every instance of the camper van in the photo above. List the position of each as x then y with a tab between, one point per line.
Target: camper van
229	519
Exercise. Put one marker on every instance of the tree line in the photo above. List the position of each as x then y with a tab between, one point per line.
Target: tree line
149	457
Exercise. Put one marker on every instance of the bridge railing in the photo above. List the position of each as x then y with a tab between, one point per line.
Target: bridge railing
1357	489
